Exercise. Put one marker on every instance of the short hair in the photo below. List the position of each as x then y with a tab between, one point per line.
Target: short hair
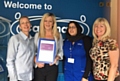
42	29
107	28
23	17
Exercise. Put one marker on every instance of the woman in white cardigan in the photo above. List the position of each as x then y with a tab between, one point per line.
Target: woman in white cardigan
48	30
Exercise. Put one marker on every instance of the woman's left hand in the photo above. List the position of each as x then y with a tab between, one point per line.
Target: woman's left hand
55	61
83	79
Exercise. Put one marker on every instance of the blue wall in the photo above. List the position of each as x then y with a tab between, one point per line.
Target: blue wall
82	11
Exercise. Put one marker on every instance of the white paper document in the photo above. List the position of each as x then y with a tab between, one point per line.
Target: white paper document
46	51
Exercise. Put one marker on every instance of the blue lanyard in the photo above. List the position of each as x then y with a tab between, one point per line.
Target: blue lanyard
71	48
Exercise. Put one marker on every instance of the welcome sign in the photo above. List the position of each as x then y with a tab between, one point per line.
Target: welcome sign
82	11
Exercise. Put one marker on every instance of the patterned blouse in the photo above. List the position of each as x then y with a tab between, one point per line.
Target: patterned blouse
100	57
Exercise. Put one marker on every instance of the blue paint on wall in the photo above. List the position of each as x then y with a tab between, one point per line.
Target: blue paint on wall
82	11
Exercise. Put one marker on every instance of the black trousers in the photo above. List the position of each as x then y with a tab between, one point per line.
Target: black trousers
103	80
21	80
18	80
100	80
47	73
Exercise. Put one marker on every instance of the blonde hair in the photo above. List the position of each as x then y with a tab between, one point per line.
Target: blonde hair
42	29
107	29
23	17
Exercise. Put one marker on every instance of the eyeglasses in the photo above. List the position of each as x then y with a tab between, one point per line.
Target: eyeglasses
72	27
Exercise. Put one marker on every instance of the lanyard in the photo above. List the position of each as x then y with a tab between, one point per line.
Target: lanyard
71	48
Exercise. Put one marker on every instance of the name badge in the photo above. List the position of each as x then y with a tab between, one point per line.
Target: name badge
70	60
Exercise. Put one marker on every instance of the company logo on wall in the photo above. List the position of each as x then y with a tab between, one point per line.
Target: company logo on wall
35	28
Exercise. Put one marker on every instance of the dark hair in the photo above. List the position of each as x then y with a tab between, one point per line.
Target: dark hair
79	28
79	34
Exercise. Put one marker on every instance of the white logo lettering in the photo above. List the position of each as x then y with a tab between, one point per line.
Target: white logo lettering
61	29
10	4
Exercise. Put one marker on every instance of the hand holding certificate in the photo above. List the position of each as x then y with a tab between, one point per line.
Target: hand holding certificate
46	51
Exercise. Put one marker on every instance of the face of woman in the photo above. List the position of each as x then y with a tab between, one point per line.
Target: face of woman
24	25
72	29
48	23
99	29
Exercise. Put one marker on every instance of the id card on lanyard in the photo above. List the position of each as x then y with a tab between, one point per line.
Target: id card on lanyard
70	60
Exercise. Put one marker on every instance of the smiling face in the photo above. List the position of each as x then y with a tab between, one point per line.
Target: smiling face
24	25
99	29
72	29
48	23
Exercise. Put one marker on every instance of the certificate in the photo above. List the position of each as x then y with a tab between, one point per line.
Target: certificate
46	50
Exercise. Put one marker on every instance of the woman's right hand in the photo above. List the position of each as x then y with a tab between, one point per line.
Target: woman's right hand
83	79
39	65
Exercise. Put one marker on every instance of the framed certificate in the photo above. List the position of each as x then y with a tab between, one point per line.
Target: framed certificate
46	50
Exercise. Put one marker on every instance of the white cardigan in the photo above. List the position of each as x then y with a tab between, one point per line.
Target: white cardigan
59	46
